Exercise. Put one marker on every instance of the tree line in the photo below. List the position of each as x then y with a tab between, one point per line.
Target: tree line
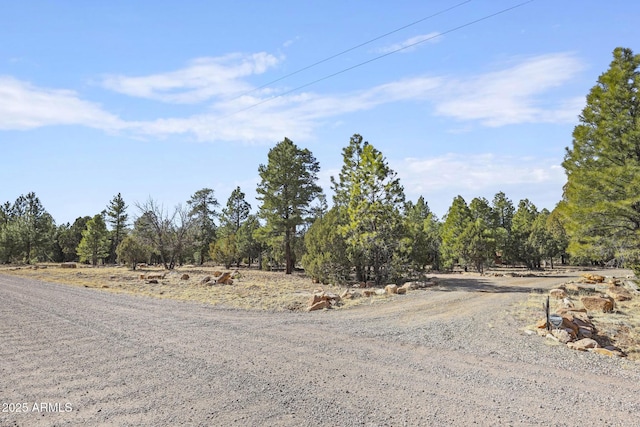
371	232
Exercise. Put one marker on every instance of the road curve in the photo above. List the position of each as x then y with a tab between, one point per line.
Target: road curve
72	356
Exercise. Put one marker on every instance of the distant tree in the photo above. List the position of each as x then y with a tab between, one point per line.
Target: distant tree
170	236
236	211
224	250
601	203
417	243
477	244
249	246
523	221
69	238
116	217
287	188
202	212
132	250
34	227
94	245
503	211
455	223
326	258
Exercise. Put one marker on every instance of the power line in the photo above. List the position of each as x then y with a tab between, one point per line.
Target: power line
353	48
484	18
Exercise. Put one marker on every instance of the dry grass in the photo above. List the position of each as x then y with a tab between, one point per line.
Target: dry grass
253	290
621	327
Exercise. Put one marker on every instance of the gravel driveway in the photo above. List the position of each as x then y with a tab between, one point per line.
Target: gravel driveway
454	355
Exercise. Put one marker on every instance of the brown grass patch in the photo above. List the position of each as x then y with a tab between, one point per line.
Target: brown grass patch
252	290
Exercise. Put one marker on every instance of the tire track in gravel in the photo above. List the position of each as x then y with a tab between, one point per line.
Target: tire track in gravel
426	360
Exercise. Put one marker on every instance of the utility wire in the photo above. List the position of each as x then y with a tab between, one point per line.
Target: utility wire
353	48
484	18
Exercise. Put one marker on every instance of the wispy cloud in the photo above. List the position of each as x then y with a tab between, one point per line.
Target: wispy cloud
511	95
201	80
25	106
507	96
411	43
481	175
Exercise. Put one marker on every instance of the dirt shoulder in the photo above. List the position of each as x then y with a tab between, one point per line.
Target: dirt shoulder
455	354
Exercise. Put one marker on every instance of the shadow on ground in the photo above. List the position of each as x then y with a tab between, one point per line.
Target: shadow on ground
472	284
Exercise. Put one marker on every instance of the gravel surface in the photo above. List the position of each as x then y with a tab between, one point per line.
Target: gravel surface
453	355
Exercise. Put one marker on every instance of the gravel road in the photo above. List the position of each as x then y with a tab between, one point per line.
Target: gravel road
455	355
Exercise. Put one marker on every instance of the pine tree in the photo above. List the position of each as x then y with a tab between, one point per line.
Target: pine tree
116	216
202	213
602	193
287	188
373	226
455	223
94	245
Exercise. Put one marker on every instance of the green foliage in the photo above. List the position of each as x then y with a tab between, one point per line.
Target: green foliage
202	214
421	242
69	237
236	211
224	250
132	250
94	245
249	246
116	217
523	222
326	257
287	188
602	194
26	231
456	222
503	211
373	227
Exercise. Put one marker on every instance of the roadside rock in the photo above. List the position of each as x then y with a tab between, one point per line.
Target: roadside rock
618	293
321	300
391	289
185	276
558	293
205	280
597	303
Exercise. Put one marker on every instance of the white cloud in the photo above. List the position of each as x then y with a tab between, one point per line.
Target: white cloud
510	96
202	79
411	43
441	178
25	106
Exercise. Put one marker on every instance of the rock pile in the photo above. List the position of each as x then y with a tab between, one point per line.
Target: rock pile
321	300
577	330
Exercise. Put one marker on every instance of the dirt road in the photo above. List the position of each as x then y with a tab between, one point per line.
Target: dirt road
449	356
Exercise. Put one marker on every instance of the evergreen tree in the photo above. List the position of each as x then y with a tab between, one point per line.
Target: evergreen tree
287	188
202	213
116	216
132	250
235	213
522	227
602	202
326	258
69	238
94	245
503	211
455	223
373	226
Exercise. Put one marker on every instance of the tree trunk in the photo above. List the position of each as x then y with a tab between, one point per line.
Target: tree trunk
287	252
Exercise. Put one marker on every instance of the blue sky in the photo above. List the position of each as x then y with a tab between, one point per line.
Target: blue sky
161	99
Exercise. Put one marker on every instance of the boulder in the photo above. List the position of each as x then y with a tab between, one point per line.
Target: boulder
597	303
619	293
401	290
217	273
205	280
391	289
369	292
593	278
322	304
185	276
380	292
583	344
224	278
409	286
558	293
